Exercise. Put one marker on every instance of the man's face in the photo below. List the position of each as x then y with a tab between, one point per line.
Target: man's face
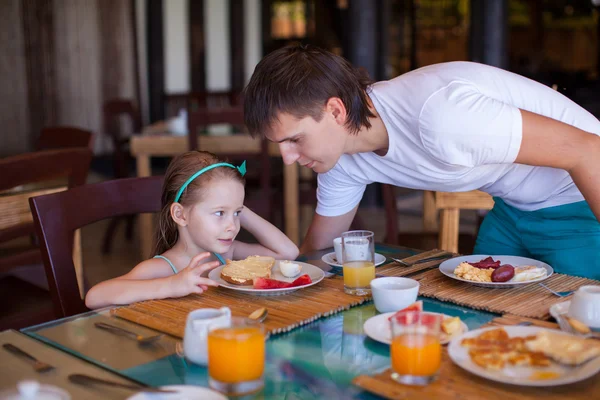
316	145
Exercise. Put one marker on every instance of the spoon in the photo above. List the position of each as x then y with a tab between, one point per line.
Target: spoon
259	315
124	332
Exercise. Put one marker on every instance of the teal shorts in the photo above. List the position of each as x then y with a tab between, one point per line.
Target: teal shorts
566	237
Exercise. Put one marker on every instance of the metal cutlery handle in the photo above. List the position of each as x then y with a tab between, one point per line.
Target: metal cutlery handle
17	351
90	380
115	329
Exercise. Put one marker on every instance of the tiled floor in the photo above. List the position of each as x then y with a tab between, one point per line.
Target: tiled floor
125	254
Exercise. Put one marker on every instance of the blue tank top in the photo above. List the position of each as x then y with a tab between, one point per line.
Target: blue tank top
175	269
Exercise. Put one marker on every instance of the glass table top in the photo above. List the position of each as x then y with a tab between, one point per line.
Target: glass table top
318	360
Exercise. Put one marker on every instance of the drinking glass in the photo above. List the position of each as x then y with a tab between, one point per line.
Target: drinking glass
358	253
416	351
236	357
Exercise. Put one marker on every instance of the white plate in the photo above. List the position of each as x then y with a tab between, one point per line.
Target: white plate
186	392
448	266
520	375
316	275
378	328
330	259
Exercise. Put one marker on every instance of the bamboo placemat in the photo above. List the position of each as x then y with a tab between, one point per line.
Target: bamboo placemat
456	383
528	301
286	312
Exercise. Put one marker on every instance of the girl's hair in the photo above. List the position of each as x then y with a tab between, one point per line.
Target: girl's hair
180	170
299	80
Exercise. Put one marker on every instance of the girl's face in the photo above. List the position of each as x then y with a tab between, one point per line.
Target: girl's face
214	222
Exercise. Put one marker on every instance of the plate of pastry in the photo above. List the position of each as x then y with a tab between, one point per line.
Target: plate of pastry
526	355
266	276
498	272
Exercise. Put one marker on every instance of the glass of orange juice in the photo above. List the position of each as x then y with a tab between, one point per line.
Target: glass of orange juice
236	357
358	255
416	351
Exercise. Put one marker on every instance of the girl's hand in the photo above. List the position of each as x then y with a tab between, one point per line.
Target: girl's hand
189	280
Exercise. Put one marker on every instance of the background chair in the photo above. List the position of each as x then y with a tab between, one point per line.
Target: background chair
115	112
56	215
23	176
448	205
62	137
258	177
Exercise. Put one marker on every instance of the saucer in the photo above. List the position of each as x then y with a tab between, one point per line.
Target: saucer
330	259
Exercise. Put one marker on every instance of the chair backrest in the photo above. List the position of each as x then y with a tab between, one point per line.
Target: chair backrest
61	137
33	170
204	117
194	100
57	215
118	107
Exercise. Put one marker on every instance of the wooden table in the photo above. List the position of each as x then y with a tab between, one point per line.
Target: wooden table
145	146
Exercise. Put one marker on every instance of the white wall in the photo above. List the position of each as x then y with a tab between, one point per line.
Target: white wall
252	35
176	45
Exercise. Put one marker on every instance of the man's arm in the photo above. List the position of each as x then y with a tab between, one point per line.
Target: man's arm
323	230
551	143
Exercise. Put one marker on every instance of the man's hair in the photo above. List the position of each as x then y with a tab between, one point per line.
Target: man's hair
298	80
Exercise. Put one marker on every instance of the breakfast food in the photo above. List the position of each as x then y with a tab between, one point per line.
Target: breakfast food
488	270
266	283
450	326
243	272
565	349
494	350
578	325
289	269
416	306
471	273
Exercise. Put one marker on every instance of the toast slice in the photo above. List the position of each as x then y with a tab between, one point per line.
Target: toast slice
242	272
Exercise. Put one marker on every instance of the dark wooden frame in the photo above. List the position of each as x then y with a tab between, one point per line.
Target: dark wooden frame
58	215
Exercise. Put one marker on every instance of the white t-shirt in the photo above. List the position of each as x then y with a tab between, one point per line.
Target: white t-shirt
456	127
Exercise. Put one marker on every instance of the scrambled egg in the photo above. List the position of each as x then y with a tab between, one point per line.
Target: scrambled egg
469	272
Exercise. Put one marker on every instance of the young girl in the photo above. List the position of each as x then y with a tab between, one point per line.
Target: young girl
202	212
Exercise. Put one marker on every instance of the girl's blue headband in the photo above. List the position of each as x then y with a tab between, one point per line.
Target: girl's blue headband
241	169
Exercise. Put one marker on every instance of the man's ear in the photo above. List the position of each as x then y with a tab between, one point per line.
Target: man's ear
178	214
336	108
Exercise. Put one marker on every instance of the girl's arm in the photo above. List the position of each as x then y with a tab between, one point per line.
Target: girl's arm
272	242
149	280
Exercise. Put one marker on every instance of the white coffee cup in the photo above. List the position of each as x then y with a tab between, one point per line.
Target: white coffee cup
585	305
337	246
195	345
393	293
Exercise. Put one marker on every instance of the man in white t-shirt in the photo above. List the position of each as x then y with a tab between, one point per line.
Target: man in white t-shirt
450	127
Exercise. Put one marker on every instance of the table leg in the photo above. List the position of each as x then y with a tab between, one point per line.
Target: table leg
291	212
145	220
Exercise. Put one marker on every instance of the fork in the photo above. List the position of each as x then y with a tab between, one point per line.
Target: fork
559	294
423	260
38	366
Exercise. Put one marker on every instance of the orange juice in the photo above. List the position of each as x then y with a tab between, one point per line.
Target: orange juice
236	354
358	274
416	354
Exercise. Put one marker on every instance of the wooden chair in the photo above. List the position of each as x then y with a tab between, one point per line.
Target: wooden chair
448	205
196	100
113	110
62	137
57	214
259	165
23	176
